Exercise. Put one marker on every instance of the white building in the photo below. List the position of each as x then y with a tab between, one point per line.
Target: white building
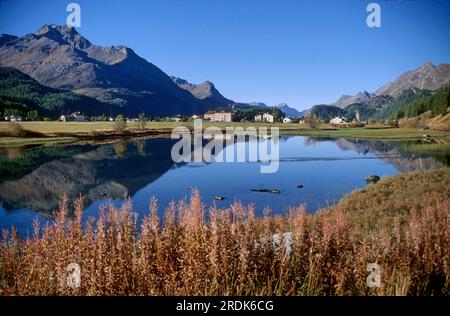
266	117
219	116
287	120
74	117
338	120
15	118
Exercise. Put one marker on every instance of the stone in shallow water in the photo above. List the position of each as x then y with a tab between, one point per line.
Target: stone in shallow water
372	179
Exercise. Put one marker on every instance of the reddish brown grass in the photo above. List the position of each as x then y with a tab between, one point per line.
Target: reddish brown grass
195	251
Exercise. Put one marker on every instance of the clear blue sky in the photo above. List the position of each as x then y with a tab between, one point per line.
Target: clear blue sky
299	52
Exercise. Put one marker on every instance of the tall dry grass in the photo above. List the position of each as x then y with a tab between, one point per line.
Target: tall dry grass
199	251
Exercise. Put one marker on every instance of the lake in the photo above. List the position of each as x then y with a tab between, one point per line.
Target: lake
32	180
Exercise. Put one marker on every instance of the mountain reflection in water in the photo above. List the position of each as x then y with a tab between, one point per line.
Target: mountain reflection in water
35	179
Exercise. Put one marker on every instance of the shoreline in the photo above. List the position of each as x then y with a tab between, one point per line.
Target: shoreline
55	133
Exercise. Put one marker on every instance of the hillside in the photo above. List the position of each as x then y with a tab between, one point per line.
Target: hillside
21	93
390	97
437	104
400	102
326	112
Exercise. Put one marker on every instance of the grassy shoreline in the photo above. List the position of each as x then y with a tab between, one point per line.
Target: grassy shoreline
61	132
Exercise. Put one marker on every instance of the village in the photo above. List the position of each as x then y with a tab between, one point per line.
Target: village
218	116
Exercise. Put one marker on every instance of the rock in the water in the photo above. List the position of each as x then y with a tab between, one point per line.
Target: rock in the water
259	190
274	191
300	186
372	179
219	198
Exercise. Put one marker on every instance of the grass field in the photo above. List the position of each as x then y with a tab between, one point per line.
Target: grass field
106	129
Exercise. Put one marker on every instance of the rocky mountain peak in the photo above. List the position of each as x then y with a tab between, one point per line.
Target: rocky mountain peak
426	66
63	34
427	76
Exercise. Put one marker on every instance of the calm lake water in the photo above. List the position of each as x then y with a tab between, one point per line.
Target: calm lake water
32	180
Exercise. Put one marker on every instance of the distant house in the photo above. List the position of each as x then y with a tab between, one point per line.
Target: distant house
176	119
100	118
209	116
15	118
219	116
195	117
338	120
266	117
74	117
287	120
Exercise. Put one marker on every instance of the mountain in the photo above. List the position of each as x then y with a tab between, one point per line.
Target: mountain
289	111
258	105
437	103
408	96
205	92
21	93
365	111
59	57
346	100
426	77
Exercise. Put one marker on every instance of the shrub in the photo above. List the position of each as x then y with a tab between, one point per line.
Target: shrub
14	129
142	121
195	251
408	123
312	121
119	123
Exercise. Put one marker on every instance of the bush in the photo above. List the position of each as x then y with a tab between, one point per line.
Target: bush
119	123
408	123
142	121
195	251
312	121
14	130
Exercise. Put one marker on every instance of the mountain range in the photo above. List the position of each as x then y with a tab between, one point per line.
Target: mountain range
290	111
116	79
425	77
59	57
205	92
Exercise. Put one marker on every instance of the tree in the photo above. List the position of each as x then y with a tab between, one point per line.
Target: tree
371	121
142	121
392	122
312	121
32	115
119	124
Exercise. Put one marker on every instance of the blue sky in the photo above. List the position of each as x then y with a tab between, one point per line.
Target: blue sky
299	52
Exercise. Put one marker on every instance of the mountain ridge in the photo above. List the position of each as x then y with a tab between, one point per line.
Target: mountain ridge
61	58
426	77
